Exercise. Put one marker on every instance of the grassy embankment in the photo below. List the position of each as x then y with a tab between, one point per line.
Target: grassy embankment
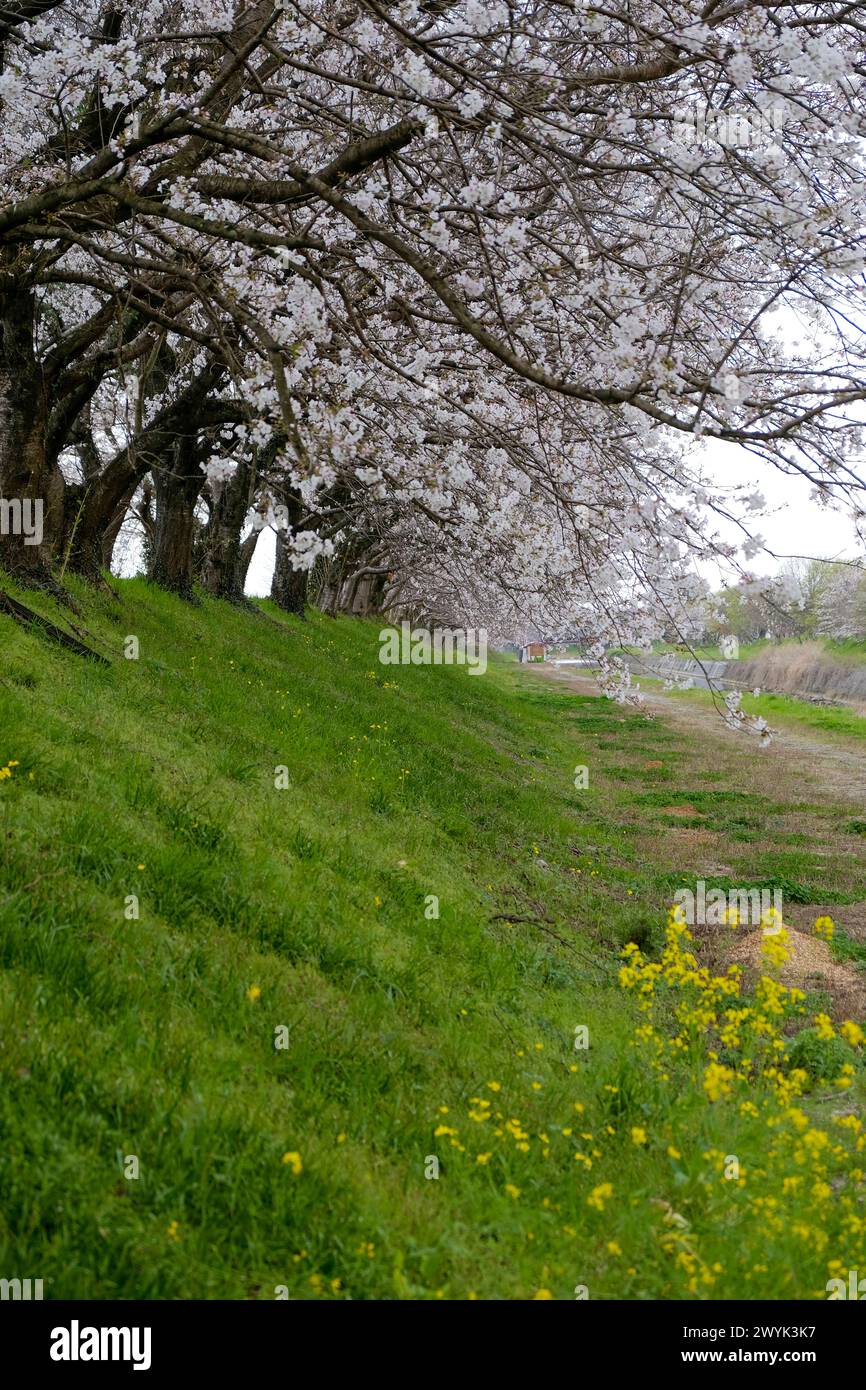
410	1037
851	650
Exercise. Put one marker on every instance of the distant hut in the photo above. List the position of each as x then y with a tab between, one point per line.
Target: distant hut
532	651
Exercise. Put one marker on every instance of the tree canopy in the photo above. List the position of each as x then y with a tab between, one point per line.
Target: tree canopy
450	294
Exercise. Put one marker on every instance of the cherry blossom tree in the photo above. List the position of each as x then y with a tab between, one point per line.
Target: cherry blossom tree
450	294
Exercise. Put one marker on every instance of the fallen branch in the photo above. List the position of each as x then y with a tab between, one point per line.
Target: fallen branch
27	618
510	917
541	922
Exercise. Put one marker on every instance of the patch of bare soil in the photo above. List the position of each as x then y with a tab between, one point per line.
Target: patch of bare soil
691	835
809	967
833	765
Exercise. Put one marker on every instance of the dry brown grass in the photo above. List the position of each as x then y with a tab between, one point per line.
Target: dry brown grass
804	669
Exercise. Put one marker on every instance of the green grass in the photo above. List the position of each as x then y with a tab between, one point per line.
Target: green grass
845	948
782	711
851	649
309	914
712	651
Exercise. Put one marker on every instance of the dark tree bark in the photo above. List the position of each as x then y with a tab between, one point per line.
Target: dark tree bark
245	558
332	576
289	586
177	489
26	475
96	507
221	566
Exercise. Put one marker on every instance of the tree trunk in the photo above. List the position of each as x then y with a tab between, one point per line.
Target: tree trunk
221	566
245	558
30	489
289	586
177	489
97	511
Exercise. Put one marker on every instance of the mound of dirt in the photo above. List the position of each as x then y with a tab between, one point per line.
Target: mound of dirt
809	967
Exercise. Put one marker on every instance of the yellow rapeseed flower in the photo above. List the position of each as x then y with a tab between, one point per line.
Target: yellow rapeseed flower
599	1195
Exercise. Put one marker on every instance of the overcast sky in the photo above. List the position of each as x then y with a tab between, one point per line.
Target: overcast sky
794	524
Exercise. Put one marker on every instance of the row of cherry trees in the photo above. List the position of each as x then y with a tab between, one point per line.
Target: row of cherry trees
449	294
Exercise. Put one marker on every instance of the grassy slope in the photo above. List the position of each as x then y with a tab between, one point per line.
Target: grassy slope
307	908
711	652
850	650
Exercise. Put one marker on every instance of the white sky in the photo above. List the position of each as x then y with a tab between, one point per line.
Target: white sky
262	567
793	524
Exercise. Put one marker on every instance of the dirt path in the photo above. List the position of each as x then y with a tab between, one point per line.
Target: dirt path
808	794
828	764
